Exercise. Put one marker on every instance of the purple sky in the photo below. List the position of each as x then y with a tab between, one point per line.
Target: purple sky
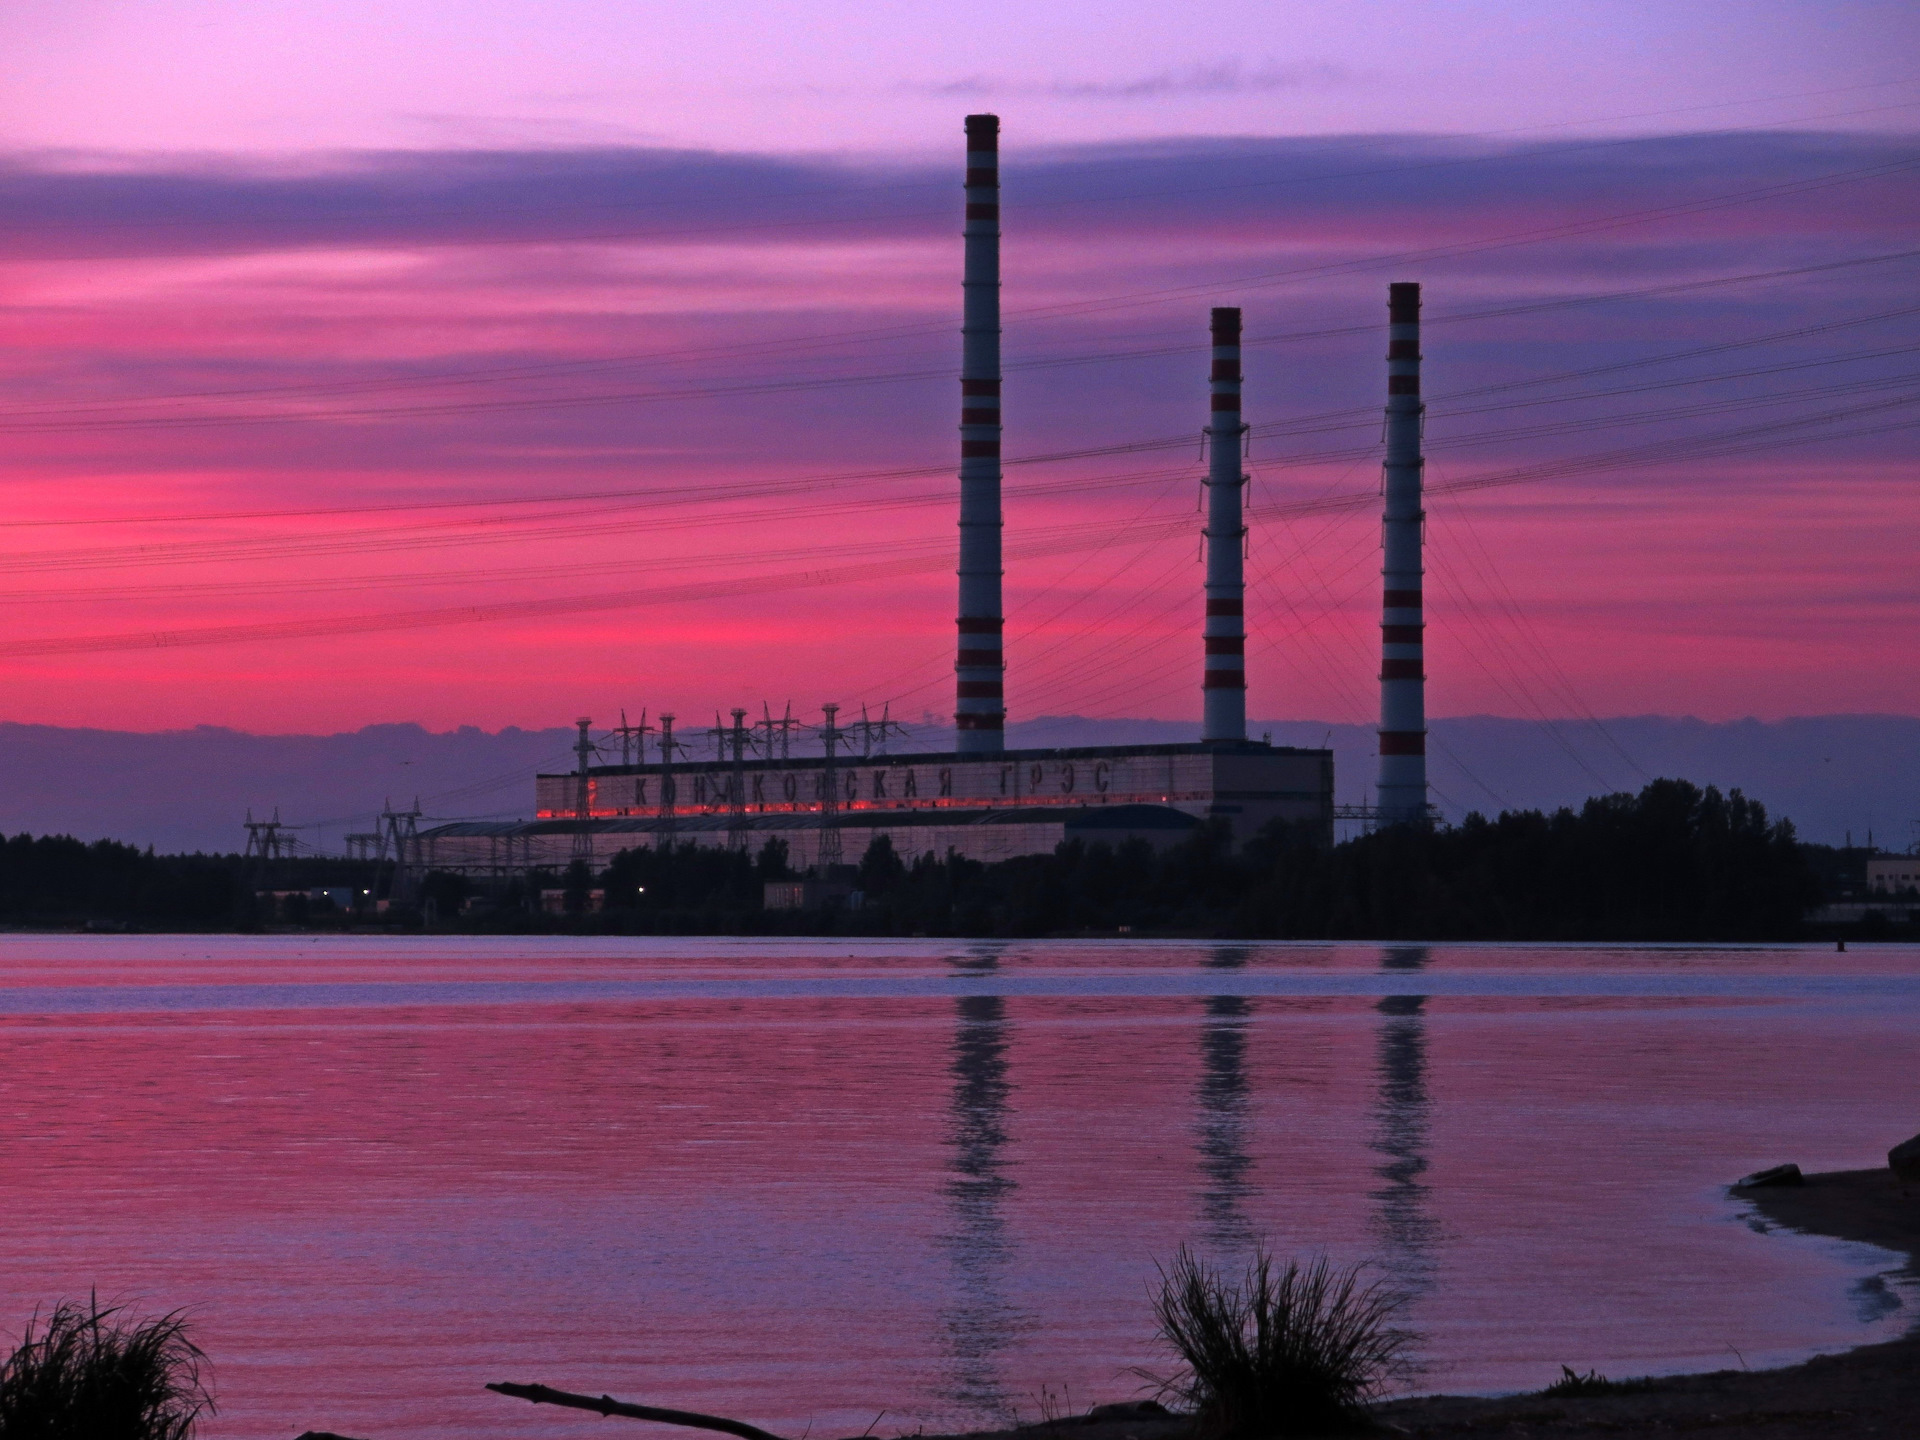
703	269
828	76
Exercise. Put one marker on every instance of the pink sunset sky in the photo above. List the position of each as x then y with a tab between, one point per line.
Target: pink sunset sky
497	364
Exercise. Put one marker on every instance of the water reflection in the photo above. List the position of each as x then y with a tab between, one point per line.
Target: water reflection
1223	1095
1406	1230
981	1324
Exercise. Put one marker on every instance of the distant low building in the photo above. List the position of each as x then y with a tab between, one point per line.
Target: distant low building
1893	875
554	902
801	894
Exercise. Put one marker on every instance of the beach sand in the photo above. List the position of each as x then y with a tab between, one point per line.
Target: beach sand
1874	1390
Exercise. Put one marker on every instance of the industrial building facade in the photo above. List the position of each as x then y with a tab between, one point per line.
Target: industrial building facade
990	808
1246	783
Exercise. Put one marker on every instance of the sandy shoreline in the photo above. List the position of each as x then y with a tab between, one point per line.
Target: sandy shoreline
1873	1390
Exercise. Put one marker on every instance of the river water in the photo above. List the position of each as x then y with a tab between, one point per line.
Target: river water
814	1183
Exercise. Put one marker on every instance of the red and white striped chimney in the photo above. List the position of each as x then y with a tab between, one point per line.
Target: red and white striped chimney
1401	797
980	710
1223	684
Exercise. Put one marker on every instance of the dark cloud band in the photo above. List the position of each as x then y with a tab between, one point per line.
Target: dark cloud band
1286	188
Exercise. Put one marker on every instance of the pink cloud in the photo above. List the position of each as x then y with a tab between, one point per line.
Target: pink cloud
404	329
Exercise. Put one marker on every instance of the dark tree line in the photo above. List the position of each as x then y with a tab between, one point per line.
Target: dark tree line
56	880
1672	863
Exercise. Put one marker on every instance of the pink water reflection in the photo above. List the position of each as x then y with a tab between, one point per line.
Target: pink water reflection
806	1209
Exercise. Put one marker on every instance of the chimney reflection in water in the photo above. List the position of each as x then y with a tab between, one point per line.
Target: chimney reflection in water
1404	1228
1223	1096
980	1323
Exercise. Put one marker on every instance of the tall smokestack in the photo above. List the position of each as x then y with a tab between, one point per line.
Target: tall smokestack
1223	686
980	714
1402	794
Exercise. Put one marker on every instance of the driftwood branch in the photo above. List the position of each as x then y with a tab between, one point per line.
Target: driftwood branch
607	1405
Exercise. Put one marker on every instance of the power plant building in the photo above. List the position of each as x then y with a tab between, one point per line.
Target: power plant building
982	801
1019	802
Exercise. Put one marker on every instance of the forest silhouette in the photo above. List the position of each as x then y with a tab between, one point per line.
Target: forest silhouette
1674	862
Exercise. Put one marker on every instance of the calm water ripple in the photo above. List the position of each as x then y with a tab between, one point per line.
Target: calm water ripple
805	1182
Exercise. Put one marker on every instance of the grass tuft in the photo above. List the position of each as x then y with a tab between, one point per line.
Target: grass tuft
1572	1385
93	1374
1289	1349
